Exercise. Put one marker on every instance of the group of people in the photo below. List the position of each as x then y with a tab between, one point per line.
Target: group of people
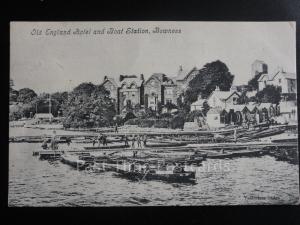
101	139
53	142
136	141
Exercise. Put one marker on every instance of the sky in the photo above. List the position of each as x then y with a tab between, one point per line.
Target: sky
48	63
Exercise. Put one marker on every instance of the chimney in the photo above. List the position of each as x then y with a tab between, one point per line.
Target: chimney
217	88
142	77
180	68
105	78
121	78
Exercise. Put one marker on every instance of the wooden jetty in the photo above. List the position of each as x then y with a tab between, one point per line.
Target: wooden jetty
49	154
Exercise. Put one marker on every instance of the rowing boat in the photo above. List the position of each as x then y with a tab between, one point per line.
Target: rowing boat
74	161
164	175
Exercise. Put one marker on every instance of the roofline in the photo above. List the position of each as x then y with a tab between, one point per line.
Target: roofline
194	68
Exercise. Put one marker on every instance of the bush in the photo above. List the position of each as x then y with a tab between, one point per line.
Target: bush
162	123
165	115
191	115
136	121
129	116
147	123
177	122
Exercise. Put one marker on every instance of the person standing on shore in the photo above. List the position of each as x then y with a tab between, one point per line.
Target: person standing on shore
234	135
144	140
45	145
139	141
94	141
126	141
133	142
99	139
104	140
68	140
116	128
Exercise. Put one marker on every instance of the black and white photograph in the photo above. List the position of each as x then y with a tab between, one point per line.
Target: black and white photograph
156	113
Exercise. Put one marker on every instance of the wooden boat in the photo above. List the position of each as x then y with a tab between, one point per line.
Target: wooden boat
164	175
170	144
74	161
234	154
105	147
284	140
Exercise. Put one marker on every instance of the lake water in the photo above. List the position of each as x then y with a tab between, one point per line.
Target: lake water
262	180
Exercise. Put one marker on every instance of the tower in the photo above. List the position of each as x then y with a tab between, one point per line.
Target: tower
258	67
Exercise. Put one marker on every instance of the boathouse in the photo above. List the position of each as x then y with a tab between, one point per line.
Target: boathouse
222	98
288	112
213	118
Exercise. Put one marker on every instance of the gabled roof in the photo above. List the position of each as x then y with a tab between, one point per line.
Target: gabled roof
265	105
223	95
183	73
161	77
235	107
131	80
215	110
278	72
291	76
109	79
263	76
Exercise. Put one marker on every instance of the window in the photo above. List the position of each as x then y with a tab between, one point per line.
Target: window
279	81
234	99
169	91
169	101
216	118
265	82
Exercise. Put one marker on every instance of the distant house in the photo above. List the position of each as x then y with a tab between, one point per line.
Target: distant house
222	98
288	112
198	105
159	89
184	77
213	118
287	81
43	117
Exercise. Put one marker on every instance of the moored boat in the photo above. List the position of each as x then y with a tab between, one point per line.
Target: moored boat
152	174
74	161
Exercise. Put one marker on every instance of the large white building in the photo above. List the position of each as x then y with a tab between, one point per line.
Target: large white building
287	81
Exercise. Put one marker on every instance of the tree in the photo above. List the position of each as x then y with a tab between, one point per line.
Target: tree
209	77
253	83
270	94
26	95
88	105
170	106
205	108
